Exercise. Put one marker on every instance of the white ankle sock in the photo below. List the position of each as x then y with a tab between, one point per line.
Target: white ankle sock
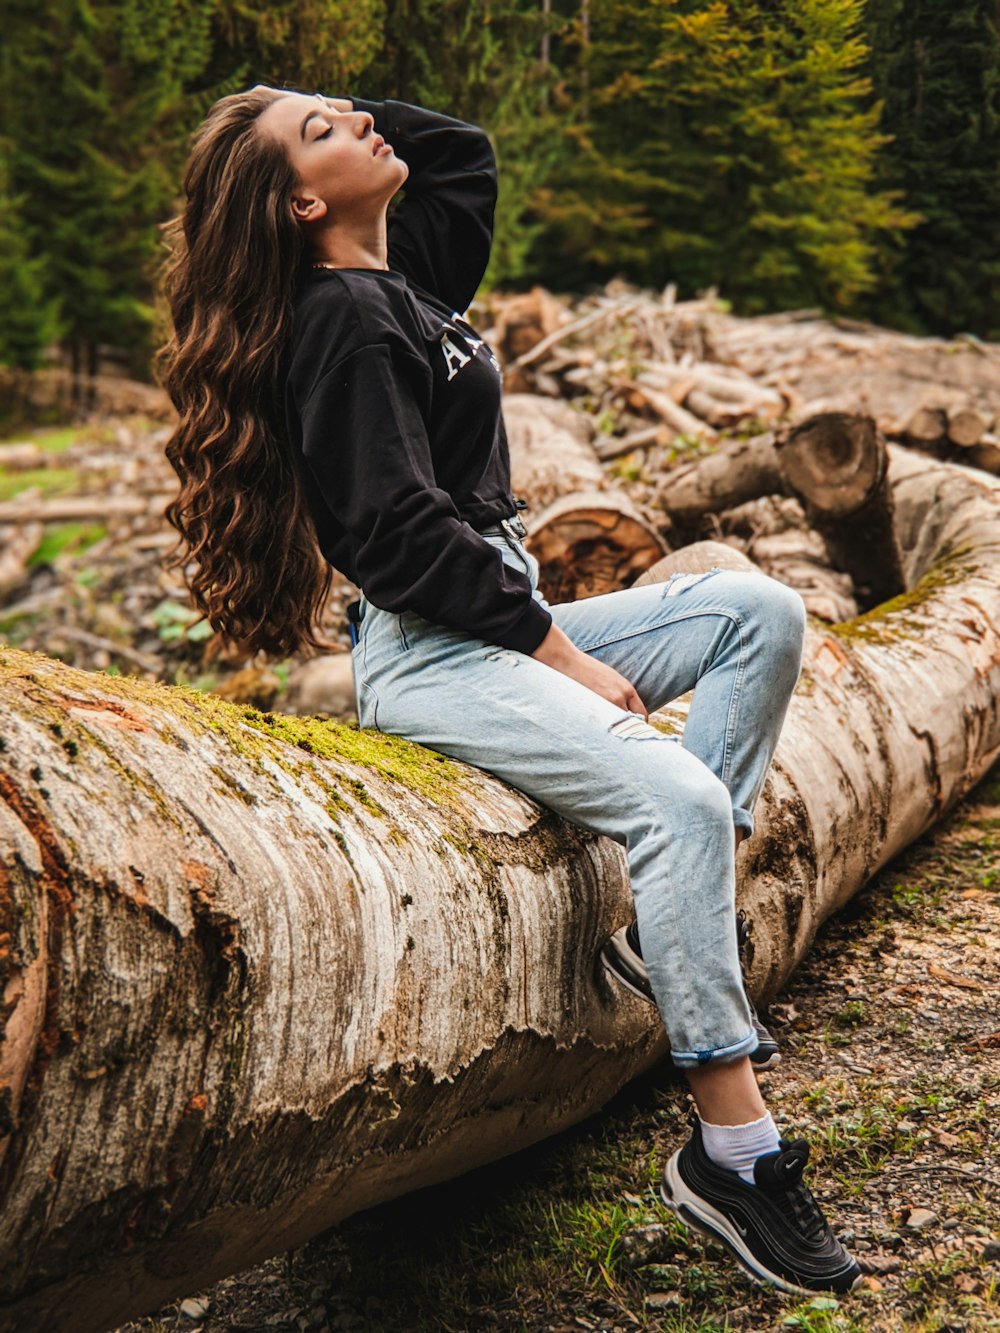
737	1147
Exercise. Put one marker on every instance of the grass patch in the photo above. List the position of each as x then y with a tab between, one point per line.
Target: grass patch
70	538
49	480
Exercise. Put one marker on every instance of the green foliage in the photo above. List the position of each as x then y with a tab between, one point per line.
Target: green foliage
936	72
27	318
94	101
310	44
479	61
174	621
65	539
835	153
722	144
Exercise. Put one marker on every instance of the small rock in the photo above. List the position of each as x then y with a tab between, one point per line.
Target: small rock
196	1308
880	1263
951	1224
947	1140
323	684
919	1219
991	1251
643	1245
663	1300
258	686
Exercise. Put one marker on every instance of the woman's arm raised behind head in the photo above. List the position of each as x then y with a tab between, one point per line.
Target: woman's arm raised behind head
440	234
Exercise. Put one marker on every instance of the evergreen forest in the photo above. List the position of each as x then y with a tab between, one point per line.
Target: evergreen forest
838	154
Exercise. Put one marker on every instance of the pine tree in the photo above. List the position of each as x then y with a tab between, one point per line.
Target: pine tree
313	45
480	61
936	69
27	319
727	144
94	155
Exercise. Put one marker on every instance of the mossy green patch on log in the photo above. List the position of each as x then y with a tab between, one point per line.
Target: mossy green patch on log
252	734
895	619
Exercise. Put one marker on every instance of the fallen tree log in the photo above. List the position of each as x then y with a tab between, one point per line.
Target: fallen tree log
741	470
262	972
586	534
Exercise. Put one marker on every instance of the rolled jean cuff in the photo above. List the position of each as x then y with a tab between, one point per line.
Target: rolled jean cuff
723	1054
743	819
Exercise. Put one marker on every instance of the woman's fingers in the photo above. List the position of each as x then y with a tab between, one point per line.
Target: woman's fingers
635	705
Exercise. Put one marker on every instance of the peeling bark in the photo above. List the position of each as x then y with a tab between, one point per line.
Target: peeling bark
261	972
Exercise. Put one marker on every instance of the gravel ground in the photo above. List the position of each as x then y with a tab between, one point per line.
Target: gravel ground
891	1034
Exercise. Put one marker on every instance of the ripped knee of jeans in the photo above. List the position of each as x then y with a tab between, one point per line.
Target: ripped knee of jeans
678	583
632	727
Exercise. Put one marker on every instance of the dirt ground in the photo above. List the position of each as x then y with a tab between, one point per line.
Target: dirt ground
891	1040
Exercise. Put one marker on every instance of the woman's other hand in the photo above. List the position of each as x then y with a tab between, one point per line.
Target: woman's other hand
558	650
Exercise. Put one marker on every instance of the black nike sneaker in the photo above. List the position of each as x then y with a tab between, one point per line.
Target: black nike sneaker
622	957
774	1228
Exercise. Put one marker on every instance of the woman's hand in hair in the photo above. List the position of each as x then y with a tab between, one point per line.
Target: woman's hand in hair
338	103
558	650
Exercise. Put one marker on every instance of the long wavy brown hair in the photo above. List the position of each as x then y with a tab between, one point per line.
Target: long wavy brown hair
247	546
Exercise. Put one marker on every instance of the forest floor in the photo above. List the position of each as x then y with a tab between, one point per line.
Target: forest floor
891	1038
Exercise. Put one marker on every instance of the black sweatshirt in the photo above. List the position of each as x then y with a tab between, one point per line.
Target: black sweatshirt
394	401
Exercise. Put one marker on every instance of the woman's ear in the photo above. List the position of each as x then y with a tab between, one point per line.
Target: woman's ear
308	208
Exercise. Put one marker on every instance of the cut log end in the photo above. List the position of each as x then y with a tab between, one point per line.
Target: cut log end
588	544
835	461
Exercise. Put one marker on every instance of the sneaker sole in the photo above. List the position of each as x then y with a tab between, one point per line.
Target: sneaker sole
757	1066
691	1209
612	971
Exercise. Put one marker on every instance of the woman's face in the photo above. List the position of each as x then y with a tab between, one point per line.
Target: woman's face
344	168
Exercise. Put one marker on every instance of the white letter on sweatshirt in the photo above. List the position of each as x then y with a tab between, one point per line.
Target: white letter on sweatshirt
454	356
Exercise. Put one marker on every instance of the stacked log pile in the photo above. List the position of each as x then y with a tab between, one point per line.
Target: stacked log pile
637	423
662	374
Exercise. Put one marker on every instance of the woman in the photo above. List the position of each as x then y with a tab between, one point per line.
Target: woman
330	392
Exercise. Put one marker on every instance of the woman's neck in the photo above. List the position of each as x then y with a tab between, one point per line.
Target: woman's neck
338	249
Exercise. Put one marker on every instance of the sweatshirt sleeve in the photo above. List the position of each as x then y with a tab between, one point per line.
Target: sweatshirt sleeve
366	444
440	234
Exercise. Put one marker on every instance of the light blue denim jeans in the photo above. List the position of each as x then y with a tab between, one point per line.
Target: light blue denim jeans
733	637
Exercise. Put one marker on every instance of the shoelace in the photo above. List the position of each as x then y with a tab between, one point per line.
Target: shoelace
805	1210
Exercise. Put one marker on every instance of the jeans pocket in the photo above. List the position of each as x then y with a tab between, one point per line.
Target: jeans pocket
406	628
367	701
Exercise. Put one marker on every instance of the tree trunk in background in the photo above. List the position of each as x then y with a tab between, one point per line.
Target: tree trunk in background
262	972
837	466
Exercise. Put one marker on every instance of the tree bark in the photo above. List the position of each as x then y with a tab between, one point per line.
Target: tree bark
262	972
